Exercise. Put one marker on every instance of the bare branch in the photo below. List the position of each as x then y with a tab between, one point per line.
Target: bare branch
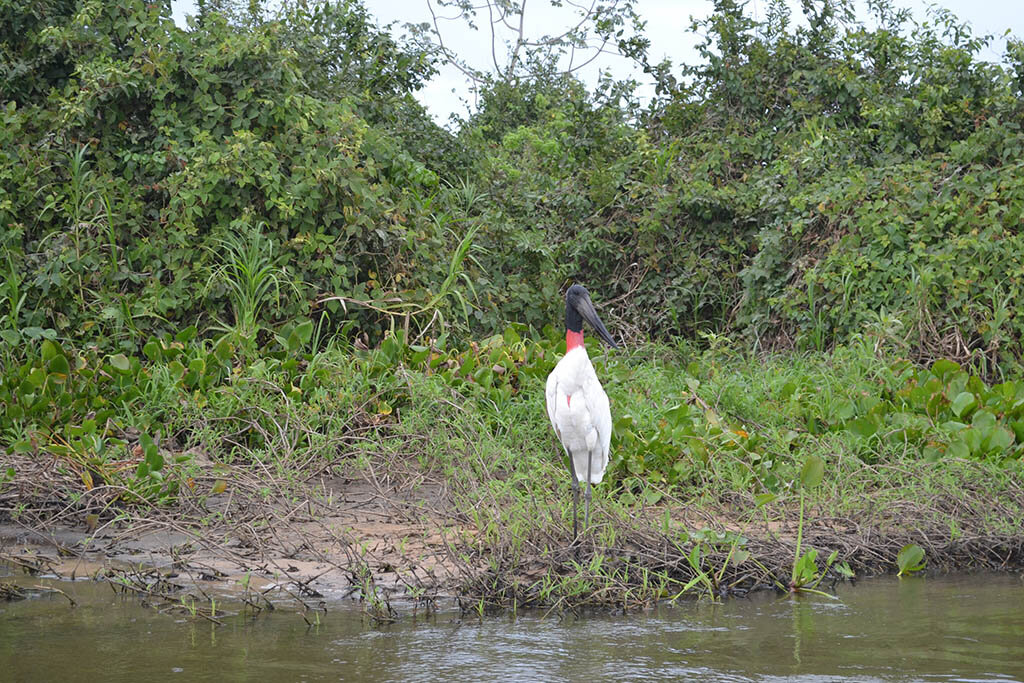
588	13
519	41
449	55
584	39
494	54
597	53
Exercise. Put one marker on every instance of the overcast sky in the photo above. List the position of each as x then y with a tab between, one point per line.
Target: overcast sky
668	23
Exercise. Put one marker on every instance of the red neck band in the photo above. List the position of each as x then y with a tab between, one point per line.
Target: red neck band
573	339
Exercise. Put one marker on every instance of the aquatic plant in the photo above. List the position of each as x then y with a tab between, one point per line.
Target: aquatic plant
910	559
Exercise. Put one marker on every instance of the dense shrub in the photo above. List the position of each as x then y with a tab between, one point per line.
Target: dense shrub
802	184
126	169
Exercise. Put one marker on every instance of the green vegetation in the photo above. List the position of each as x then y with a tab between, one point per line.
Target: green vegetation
910	559
247	241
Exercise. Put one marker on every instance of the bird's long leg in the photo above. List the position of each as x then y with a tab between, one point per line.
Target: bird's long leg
575	494
586	501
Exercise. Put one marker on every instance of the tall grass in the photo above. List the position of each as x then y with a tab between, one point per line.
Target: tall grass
252	281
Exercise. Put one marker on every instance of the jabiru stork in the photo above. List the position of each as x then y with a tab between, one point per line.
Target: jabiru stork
577	405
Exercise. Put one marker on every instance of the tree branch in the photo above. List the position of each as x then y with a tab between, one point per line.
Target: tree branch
578	40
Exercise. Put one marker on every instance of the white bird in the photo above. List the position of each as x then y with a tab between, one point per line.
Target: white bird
577	405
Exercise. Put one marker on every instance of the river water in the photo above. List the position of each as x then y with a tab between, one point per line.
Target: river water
962	628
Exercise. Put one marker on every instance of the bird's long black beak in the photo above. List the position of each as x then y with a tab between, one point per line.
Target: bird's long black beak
586	309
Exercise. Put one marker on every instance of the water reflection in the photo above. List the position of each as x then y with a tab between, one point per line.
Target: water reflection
940	629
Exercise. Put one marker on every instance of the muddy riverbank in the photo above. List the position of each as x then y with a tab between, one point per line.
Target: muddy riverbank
408	534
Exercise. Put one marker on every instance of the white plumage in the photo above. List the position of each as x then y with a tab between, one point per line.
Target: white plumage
579	412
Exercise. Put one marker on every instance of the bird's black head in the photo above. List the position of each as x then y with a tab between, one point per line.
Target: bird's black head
578	307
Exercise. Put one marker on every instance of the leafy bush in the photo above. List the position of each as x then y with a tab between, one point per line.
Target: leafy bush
946	412
797	185
155	145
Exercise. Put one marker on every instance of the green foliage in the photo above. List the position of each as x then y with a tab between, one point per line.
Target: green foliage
490	372
910	559
118	189
805	576
54	387
250	280
858	405
80	404
812	472
878	159
946	412
678	450
801	185
788	190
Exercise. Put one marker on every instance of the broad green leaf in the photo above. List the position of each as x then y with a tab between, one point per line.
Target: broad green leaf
740	556
59	365
844	569
846	409
147	444
694	557
304	331
999	440
152	350
392	347
48	350
788	389
223	350
36	378
910	559
186	335
510	336
973	438
813	472
155	461
652	496
984	420
468	365
121	362
1018	430
863	427
806	568
176	369
942	368
963	403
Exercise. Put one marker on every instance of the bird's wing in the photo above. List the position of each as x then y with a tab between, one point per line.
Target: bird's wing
600	414
551	394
